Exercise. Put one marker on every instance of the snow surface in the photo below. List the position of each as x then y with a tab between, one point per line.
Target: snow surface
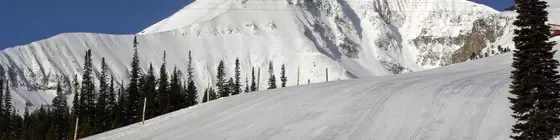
461	101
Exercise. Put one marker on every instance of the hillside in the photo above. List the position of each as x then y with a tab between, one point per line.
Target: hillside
351	39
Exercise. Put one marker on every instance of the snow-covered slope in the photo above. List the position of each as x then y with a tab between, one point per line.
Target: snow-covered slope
350	38
461	101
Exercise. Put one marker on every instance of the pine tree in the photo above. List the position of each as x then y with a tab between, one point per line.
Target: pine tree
272	78
253	83
192	94
221	80
246	85
190	73
120	108
1	105
283	77
162	97
111	102
59	113
76	101
87	96
237	86
209	92
133	112
103	97
8	128
149	89
536	104
175	90
230	86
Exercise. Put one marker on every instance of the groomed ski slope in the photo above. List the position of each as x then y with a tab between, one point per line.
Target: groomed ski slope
462	101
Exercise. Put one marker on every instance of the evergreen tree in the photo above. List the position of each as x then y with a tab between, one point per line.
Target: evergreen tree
133	112
209	92
246	85
162	97
192	94
149	89
283	77
8	128
87	96
76	101
536	104
221	84
111	101
103	96
190	69
231	86
2	117
120	108
59	126
175	89
253	83
272	78
237	85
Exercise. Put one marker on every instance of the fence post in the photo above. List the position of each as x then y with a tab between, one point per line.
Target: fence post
327	74
144	111
298	76
259	79
76	129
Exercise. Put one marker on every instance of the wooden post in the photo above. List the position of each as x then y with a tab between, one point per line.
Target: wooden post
298	76
144	111
259	78
76	129
327	74
208	93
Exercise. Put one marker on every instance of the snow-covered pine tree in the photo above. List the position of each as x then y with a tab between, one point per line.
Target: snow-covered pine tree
272	78
133	112
283	77
8	126
162	97
237	86
253	82
221	83
536	104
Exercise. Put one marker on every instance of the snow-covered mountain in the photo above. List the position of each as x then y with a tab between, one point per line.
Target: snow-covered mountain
349	38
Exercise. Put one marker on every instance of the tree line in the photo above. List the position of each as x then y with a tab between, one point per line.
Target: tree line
106	106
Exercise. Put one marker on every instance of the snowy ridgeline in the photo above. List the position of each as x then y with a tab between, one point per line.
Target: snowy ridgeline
349	38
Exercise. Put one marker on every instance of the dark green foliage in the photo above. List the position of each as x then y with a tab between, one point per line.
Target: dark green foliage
177	99
163	95
102	99
283	77
133	113
237	86
535	84
76	101
223	90
87	95
209	94
149	90
253	83
59	123
2	116
272	78
192	94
